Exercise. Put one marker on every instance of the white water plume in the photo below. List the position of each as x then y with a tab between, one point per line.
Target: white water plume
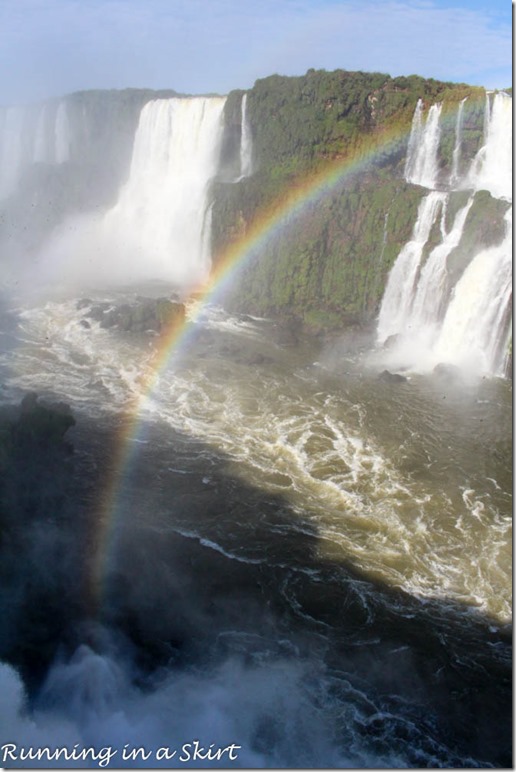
421	166
33	134
160	226
41	150
402	280
434	321
160	215
492	168
11	149
49	134
62	134
246	147
476	327
425	315
456	158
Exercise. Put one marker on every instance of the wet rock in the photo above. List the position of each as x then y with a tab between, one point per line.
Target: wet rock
42	424
143	315
41	533
389	377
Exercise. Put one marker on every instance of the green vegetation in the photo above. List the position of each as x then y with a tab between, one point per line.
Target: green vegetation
299	122
331	262
328	265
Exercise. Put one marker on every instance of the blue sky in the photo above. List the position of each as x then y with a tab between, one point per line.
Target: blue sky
52	47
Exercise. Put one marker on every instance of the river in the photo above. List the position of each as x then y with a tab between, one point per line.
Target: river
314	561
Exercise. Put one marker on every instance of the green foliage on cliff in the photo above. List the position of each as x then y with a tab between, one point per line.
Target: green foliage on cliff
297	122
329	265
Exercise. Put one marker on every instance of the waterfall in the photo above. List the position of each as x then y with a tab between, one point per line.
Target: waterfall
454	176
492	168
384	237
11	149
421	166
402	280
430	294
28	135
468	324
246	148
414	142
476	327
62	134
41	150
160	226
157	228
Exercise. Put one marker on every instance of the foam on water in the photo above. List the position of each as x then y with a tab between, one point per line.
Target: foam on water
313	447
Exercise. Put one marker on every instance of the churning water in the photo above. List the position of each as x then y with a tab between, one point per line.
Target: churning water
340	545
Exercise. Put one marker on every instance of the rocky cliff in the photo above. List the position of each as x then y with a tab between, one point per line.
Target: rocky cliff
330	267
343	142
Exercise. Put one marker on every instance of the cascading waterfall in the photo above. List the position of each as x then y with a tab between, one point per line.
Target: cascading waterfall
399	292
476	328
492	168
11	149
41	150
414	142
455	173
159	229
384	237
246	148
430	294
62	134
421	167
161	213
247	491
29	135
434	322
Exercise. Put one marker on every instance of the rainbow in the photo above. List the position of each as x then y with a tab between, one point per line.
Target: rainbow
281	215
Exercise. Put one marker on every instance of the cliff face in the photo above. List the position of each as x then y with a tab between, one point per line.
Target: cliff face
330	267
343	143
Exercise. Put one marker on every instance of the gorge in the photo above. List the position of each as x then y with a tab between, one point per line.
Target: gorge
263	498
191	164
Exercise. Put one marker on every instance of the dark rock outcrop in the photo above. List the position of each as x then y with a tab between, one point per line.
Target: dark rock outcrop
40	533
142	315
389	377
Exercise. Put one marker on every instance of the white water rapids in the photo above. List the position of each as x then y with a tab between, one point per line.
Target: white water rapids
318	445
